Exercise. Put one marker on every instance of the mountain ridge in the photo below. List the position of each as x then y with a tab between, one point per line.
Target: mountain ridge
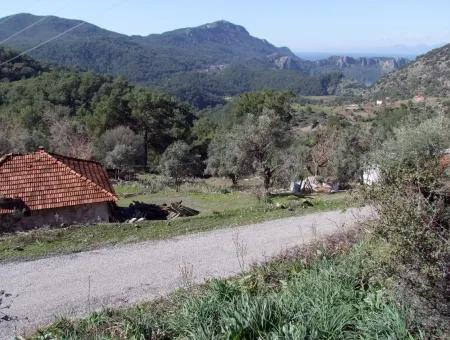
202	65
429	75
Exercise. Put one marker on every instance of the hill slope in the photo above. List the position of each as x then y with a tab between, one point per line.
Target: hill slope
96	49
364	70
202	65
209	54
20	68
429	75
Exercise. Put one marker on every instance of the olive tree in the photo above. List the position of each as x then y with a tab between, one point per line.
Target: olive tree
178	162
262	141
225	158
119	148
412	198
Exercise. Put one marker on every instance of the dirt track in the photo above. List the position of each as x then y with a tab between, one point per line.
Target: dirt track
73	285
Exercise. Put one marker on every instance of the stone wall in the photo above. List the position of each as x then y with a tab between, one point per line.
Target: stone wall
79	214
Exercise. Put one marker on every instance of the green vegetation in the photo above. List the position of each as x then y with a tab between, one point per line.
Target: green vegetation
219	211
391	282
334	291
203	67
363	70
21	68
353	291
412	200
428	75
86	115
179	163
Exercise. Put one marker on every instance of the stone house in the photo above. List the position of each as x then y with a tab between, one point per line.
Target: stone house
44	189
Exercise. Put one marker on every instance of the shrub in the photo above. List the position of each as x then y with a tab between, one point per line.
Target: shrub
179	163
412	200
119	148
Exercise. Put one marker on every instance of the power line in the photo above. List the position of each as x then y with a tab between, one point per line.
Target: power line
27	27
54	37
23	29
43	43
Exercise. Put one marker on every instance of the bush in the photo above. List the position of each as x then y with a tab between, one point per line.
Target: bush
119	148
412	200
178	162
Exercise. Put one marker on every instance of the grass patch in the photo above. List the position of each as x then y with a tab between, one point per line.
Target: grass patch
45	242
328	293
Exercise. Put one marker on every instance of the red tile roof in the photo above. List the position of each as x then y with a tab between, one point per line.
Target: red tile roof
46	181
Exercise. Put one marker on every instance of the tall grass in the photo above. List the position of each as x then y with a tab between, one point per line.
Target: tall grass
333	297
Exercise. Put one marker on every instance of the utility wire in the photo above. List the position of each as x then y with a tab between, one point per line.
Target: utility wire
43	43
27	27
23	29
54	37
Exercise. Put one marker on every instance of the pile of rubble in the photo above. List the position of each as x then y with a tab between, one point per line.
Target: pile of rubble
139	211
314	184
177	209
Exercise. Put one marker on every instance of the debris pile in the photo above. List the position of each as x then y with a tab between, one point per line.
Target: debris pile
139	211
147	211
177	209
314	184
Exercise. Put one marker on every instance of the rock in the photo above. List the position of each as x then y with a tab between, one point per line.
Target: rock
307	204
280	205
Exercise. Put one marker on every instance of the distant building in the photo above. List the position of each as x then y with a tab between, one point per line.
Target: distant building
43	189
419	99
371	175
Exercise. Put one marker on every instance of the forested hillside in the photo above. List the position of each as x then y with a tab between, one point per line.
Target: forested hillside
20	68
202	65
429	75
86	115
168	61
364	70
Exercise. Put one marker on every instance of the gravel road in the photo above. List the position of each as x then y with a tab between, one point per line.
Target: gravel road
72	285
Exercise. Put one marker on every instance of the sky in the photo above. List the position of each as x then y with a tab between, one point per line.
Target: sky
301	25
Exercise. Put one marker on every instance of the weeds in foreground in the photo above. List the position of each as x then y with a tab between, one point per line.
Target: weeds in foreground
186	274
240	248
333	293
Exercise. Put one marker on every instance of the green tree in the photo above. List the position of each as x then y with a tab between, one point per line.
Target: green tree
257	102
262	141
225	158
119	148
179	163
203	133
161	120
